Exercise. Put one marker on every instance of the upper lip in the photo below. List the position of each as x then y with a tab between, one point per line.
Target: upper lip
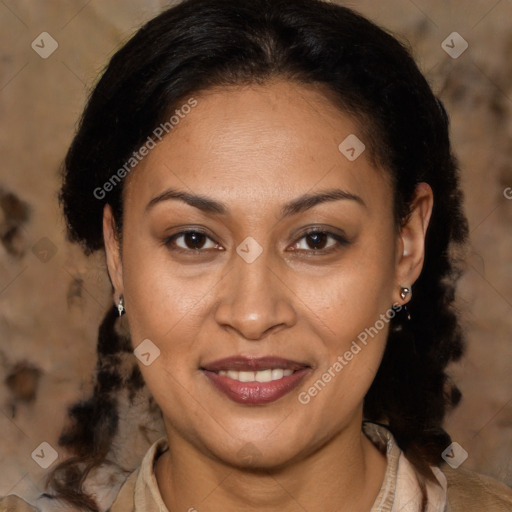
241	363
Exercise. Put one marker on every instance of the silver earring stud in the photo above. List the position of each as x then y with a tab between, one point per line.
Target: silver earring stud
404	292
120	306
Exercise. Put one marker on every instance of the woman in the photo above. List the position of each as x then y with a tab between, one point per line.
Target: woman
273	185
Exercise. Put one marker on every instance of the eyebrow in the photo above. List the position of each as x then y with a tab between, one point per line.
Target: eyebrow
298	205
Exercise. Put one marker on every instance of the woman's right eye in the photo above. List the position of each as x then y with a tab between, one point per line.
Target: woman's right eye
189	241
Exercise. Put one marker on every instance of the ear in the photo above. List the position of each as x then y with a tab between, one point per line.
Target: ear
411	242
112	251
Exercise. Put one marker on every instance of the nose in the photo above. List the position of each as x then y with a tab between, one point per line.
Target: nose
254	299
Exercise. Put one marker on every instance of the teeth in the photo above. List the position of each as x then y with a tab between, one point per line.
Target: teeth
277	374
246	376
260	376
263	376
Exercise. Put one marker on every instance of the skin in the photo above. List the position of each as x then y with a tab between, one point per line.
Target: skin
255	148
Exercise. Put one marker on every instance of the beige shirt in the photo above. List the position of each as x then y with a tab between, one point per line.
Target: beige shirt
457	490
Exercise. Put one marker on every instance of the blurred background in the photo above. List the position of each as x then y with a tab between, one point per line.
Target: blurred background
52	298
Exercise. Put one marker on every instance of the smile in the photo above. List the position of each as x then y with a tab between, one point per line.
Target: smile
255	381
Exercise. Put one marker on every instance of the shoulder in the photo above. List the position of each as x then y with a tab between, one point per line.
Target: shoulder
13	503
469	491
39	503
124	501
114	490
140	490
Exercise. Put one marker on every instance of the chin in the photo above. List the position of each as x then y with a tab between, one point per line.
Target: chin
258	454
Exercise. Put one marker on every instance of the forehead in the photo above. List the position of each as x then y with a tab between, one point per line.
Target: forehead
264	143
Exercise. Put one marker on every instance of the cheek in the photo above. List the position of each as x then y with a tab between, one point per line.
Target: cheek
157	297
352	313
350	356
355	293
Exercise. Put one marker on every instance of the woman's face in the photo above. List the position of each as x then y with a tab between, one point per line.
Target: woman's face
247	289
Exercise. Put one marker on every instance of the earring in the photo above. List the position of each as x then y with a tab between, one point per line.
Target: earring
120	306
404	292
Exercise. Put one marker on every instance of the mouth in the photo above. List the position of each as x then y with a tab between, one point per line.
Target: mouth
254	381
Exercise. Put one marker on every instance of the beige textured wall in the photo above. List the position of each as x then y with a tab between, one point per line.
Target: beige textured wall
52	298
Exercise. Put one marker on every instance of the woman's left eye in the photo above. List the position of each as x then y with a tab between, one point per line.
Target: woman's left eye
317	241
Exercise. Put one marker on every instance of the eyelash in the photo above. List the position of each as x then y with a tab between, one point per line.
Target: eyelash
340	242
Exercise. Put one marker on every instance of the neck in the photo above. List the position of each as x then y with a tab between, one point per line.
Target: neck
344	474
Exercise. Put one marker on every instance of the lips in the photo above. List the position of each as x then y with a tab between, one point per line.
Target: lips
254	381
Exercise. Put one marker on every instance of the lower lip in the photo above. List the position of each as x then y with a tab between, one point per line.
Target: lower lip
256	393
